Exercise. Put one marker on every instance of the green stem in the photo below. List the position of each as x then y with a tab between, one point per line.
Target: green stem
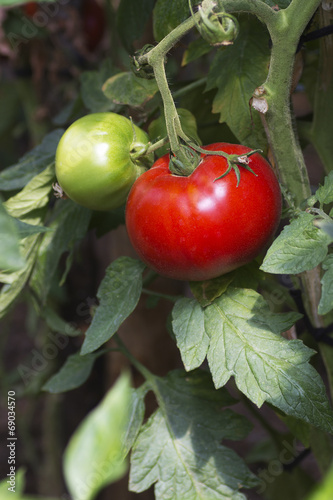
157	145
171	298
156	58
141	369
190	86
286	150
160	51
285	27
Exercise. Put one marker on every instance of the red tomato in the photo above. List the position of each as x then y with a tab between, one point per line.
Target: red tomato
197	228
30	8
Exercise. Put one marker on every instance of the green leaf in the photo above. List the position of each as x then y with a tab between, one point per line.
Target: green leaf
206	292
324	194
294	484
31	164
168	15
126	88
188	326
57	324
244	342
72	374
236	71
93	457
19	484
179	447
321	445
119	294
131	20
70	223
326	299
10	257
135	418
17	281
28	205
25	230
195	50
325	490
325	225
91	88
300	247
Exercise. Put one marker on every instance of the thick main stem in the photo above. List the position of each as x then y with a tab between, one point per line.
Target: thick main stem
285	33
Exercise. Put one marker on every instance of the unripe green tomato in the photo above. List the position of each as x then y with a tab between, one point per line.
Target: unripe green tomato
98	159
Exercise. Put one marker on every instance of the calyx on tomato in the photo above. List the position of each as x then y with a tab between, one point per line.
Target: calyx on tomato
98	159
204	225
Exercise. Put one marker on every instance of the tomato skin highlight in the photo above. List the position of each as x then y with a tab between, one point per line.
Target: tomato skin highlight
197	228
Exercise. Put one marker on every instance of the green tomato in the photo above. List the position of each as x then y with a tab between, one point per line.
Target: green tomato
99	158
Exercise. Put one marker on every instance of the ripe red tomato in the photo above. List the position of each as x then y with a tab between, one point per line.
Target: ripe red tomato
30	8
197	228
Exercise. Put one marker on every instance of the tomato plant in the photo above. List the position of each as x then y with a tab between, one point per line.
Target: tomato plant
200	226
95	165
166	327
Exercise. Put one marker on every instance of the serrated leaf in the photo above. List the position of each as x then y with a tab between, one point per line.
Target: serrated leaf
300	247
126	88
91	88
131	20
206	292
135	418
244	342
326	299
28	205
72	374
93	457
17	280
70	223
188	326
119	294
10	257
33	196
324	194
31	164
236	72
179	447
